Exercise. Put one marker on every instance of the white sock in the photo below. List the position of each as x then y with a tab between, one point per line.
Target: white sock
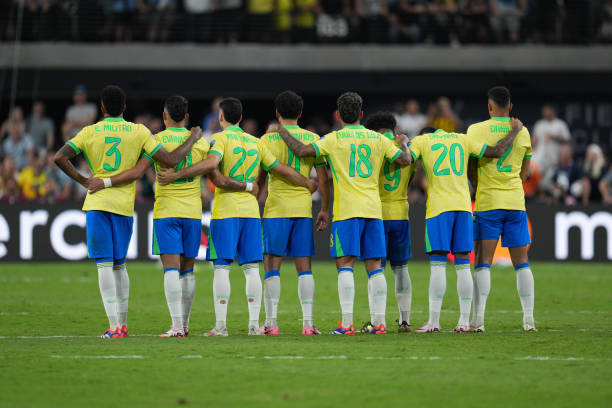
122	283
437	288
403	291
221	294
465	288
272	289
346	292
174	295
482	287
253	292
379	295
187	279
371	301
306	289
106	281
526	291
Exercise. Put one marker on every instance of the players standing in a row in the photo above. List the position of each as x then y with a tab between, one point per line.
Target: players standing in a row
287	219
355	156
500	208
111	146
235	229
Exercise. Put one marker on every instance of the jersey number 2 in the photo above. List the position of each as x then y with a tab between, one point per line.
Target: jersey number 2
500	163
113	151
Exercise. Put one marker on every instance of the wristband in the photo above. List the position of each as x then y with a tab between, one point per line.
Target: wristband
249	187
107	182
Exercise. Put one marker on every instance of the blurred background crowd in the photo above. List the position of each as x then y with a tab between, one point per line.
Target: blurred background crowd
29	139
452	22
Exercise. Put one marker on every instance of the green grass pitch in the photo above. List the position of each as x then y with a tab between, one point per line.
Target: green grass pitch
567	363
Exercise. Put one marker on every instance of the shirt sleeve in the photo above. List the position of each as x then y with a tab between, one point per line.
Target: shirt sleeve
150	145
324	145
268	160
217	145
78	142
475	147
527	143
391	151
415	148
202	147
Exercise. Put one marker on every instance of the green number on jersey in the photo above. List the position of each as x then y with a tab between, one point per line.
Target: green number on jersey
458	170
113	151
297	161
394	176
179	166
363	152
244	154
500	162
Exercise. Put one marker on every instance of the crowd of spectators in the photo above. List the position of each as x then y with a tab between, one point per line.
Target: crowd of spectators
289	21
28	172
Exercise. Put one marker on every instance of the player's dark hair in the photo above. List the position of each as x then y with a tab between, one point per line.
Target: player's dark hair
232	110
113	99
500	95
349	107
177	107
381	120
289	104
427	129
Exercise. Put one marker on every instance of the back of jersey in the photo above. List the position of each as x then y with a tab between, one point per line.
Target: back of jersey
181	198
445	160
285	199
393	188
499	180
111	147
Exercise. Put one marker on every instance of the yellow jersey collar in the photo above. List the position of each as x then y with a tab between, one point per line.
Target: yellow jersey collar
234	128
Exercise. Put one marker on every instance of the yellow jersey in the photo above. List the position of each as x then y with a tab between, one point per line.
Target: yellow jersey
286	200
445	160
499	180
393	187
110	147
32	185
356	156
241	155
181	198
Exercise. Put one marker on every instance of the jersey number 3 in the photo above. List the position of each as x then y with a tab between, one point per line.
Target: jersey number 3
113	151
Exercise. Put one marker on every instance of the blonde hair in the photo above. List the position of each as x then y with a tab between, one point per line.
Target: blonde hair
594	168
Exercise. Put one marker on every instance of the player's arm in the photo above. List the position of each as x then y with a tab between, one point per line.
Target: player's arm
500	148
174	158
126	177
292	176
473	171
323	216
297	147
261	181
168	175
405	158
62	160
525	168
227	183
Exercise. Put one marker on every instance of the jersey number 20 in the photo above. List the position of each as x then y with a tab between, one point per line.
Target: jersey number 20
454	148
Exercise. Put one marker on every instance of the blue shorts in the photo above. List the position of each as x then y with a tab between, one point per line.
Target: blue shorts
108	234
362	237
397	238
510	224
450	231
177	236
288	237
231	238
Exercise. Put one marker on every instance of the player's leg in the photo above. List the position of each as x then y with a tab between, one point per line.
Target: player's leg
398	253
192	235
100	248
122	227
516	238
167	242
276	232
437	244
372	248
462	243
344	247
487	229
222	243
301	248
250	254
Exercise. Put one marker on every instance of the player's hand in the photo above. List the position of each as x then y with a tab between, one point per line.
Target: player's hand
166	175
516	124
273	127
312	185
196	131
322	220
94	185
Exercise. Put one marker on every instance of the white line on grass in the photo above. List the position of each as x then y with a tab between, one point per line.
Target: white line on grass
102	357
332	357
